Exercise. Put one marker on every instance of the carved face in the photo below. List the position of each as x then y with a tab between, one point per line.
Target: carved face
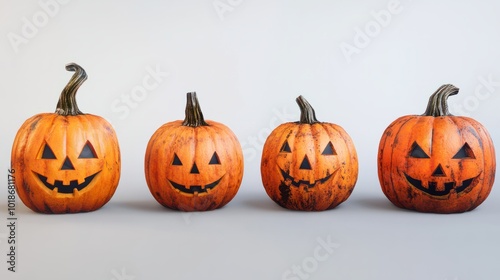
66	164
67	174
309	167
447	175
436	164
297	170
195	184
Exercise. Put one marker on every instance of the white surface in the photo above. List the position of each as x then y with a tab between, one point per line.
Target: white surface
247	65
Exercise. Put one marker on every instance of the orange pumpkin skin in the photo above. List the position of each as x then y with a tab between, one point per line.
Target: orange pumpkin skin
436	162
193	167
65	163
309	166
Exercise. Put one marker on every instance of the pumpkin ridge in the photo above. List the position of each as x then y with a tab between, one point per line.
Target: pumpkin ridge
391	167
481	134
426	122
351	168
418	121
329	129
471	123
310	130
224	153
170	141
283	133
96	127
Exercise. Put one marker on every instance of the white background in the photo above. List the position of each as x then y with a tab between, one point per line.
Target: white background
248	61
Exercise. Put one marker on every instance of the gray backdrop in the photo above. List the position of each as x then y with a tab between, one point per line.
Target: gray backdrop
361	64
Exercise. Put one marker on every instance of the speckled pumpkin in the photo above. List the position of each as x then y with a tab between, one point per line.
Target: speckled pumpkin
193	165
309	165
67	161
436	162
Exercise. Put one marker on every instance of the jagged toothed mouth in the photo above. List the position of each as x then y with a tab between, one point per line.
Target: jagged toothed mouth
67	189
297	183
195	189
432	186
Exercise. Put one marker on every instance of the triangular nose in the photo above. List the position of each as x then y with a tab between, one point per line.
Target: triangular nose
439	171
67	165
194	169
305	163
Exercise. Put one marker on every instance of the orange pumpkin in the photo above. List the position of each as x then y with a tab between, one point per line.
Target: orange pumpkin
436	162
67	161
309	165
193	165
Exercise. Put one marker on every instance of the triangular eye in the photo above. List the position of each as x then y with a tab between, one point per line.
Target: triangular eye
285	148
87	151
329	150
177	160
417	151
464	152
48	153
214	159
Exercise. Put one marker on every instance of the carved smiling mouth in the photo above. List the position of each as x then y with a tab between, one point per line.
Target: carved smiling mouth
297	183
195	189
67	189
432	186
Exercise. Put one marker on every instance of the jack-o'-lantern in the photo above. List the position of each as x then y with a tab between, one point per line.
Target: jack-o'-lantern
309	165
67	161
436	162
193	165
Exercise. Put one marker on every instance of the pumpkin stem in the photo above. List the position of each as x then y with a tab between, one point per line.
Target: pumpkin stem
67	101
307	114
194	116
437	106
